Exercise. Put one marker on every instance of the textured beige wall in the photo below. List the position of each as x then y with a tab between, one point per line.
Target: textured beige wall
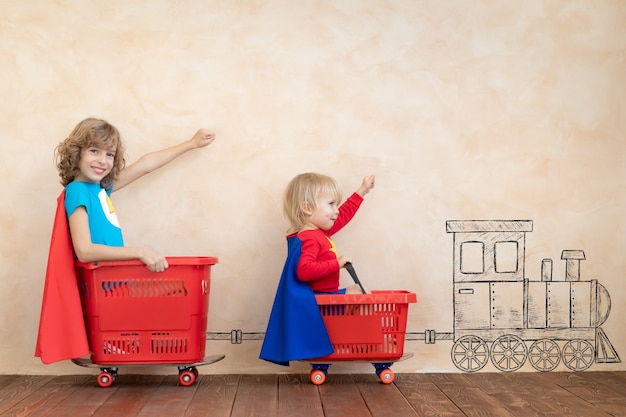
464	109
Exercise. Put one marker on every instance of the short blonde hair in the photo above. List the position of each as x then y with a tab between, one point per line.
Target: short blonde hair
306	188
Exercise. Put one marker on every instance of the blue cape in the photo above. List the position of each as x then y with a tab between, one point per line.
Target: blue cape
295	330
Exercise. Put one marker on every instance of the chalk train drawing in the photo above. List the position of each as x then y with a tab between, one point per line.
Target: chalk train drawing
501	315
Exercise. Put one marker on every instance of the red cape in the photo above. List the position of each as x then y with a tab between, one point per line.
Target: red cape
62	333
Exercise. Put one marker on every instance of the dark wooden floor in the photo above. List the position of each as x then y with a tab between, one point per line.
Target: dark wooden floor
597	394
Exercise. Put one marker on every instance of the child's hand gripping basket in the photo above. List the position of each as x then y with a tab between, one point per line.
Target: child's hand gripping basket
136	316
366	326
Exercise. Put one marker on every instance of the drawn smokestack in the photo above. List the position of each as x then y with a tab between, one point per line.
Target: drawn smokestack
572	264
546	269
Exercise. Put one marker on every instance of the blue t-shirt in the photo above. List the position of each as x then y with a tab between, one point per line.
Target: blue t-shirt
103	224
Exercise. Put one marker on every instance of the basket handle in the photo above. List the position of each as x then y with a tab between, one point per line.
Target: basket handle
352	273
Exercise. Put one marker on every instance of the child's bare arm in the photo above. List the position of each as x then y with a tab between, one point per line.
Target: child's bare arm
90	252
155	160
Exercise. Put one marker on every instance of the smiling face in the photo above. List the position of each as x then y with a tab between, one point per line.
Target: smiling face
325	213
95	164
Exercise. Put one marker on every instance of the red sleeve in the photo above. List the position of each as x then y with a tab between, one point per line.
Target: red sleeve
310	267
346	212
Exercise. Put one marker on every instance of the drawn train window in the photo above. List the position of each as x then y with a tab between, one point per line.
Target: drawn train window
505	256
472	257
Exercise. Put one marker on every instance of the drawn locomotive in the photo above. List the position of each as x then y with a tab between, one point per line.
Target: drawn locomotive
501	315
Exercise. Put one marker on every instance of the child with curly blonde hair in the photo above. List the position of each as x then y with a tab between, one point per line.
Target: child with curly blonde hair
91	165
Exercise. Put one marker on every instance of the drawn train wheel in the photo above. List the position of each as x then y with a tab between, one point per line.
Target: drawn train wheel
508	353
578	355
544	355
470	353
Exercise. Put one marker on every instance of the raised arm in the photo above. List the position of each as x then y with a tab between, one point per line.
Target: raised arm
155	160
366	185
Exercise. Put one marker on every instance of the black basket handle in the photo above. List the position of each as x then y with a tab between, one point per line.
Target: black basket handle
352	273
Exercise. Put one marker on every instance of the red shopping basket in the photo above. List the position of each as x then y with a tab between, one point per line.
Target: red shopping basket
136	316
366	326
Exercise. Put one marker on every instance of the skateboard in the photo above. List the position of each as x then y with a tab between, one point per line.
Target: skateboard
187	372
386	375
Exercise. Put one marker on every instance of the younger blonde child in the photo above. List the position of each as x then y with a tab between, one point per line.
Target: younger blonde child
311	204
295	330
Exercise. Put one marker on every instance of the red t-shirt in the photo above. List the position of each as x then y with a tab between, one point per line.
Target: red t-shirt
318	265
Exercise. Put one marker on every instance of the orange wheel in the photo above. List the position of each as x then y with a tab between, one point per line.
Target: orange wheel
386	376
104	379
317	377
186	378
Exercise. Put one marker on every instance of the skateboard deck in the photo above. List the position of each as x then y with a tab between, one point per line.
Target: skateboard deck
405	356
187	372
87	363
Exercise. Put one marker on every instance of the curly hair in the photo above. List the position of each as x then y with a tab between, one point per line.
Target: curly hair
306	188
88	133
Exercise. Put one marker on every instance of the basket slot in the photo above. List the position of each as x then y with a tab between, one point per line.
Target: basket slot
163	344
144	288
387	347
126	344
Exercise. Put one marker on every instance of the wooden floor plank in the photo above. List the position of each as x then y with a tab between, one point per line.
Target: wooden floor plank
47	397
564	379
297	396
618	378
382	400
18	388
131	395
169	399
604	381
516	394
573	393
257	396
425	397
7	379
341	398
84	401
214	397
471	399
550	388
494	383
574	407
601	390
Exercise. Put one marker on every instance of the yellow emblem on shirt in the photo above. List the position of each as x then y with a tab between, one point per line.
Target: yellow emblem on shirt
333	248
110	204
107	208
